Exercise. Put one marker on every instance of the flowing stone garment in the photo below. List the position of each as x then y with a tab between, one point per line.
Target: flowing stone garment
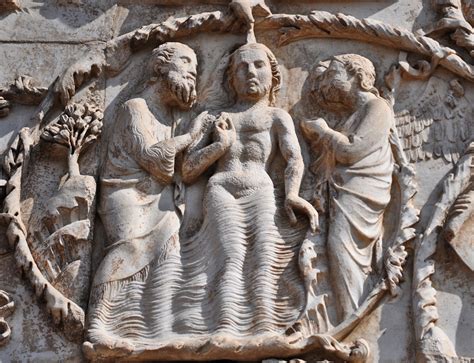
359	194
236	277
136	207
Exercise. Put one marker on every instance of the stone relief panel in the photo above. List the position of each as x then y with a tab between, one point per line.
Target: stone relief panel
238	180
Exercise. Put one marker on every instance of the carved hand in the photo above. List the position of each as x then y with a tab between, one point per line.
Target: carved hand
314	127
295	202
242	10
199	124
224	130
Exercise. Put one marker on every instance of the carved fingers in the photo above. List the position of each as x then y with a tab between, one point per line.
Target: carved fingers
77	74
198	124
461	204
66	87
224	130
4	107
313	128
297	203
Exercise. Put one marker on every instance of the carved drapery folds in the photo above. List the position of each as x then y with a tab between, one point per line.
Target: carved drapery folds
208	246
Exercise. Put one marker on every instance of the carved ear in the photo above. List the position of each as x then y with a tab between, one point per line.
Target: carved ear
160	69
157	69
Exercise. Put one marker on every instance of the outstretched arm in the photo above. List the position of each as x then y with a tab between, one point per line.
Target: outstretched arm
291	151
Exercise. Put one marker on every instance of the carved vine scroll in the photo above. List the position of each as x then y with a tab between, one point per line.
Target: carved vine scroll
432	341
15	163
319	24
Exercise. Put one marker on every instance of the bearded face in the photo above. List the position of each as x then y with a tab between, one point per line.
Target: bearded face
336	84
180	77
182	88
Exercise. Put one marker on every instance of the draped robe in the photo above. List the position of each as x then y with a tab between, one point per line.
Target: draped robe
237	276
360	188
137	210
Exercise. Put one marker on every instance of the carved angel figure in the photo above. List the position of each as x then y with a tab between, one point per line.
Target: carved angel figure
361	177
136	204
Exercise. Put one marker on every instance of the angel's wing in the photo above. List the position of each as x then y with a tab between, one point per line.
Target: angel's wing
437	124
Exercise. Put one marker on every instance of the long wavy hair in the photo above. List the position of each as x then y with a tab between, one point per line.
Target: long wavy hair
276	74
361	68
161	56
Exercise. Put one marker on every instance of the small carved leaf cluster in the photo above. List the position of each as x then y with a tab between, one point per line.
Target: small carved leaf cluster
77	127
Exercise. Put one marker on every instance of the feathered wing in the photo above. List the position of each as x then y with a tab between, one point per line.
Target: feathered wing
437	124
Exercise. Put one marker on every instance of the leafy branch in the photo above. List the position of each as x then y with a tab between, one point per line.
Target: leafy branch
76	128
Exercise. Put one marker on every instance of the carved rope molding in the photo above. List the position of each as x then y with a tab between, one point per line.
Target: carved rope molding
7	306
16	161
319	24
432	341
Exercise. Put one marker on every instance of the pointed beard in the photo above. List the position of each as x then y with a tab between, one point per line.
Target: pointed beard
183	89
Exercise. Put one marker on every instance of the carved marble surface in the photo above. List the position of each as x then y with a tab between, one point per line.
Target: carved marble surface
238	180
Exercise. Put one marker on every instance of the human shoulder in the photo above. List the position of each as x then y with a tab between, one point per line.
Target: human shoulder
378	111
134	110
281	118
378	104
135	104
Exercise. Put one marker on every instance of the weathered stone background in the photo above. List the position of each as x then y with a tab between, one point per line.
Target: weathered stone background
46	36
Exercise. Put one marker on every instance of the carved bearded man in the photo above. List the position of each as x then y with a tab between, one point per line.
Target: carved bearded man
235	281
361	178
137	198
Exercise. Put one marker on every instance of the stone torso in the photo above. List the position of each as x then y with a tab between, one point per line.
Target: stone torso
243	169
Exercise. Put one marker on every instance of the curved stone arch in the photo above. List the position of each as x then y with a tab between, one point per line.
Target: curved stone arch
294	27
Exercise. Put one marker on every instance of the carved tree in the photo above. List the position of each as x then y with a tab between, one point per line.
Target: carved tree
76	129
